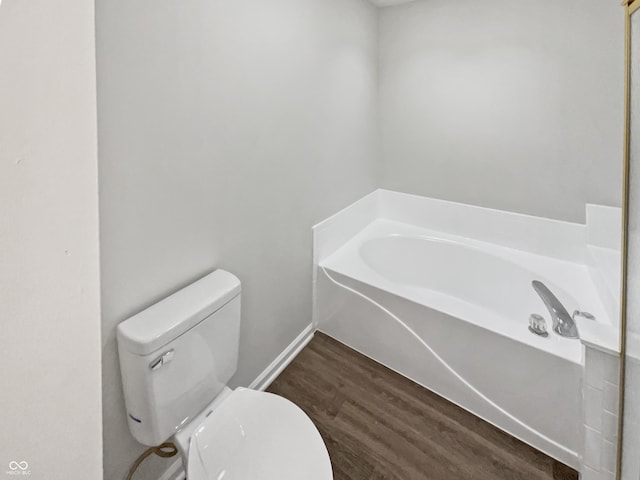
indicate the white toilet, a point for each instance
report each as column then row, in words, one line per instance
column 176, row 358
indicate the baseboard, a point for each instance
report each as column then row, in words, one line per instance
column 261, row 383
column 174, row 472
column 270, row 373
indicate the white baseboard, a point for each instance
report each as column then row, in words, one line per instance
column 174, row 472
column 261, row 383
column 265, row 379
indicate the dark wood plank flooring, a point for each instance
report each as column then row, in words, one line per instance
column 379, row 425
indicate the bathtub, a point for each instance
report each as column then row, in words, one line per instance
column 451, row 313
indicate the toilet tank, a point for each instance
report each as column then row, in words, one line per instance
column 178, row 354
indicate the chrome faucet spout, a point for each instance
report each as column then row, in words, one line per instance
column 563, row 324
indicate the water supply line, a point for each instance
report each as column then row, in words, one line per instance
column 166, row 450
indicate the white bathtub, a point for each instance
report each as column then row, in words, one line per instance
column 452, row 314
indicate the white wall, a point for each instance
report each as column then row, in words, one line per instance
column 226, row 130
column 505, row 104
column 49, row 293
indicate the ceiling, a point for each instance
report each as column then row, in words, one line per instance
column 388, row 3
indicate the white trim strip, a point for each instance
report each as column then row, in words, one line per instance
column 174, row 472
column 265, row 379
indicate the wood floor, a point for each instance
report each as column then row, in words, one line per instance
column 379, row 425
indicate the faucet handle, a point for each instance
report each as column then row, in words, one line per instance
column 538, row 325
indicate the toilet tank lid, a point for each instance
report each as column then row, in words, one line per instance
column 166, row 320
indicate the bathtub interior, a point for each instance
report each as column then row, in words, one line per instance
column 485, row 284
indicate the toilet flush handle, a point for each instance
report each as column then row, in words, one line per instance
column 163, row 359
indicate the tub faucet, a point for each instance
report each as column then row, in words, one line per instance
column 563, row 324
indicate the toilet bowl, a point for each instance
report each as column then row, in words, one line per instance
column 176, row 358
column 255, row 435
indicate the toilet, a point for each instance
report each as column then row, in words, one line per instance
column 176, row 358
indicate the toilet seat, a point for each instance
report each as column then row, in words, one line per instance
column 257, row 436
